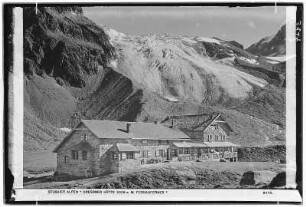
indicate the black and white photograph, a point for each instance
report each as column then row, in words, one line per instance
column 148, row 99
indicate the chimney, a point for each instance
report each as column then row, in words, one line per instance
column 128, row 126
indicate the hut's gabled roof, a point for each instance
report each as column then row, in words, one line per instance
column 137, row 130
column 194, row 125
column 128, row 130
column 191, row 122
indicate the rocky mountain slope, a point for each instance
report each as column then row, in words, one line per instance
column 76, row 69
column 61, row 49
column 274, row 45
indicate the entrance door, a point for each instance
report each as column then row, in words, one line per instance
column 168, row 154
column 199, row 152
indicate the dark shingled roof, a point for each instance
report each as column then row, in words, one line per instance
column 137, row 130
column 194, row 135
column 194, row 125
column 191, row 122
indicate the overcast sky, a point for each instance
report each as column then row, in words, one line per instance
column 245, row 25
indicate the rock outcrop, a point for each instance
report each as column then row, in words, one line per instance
column 279, row 180
column 256, row 178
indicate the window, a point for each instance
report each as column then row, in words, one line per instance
column 175, row 153
column 145, row 153
column 216, row 137
column 84, row 155
column 65, row 158
column 199, row 152
column 144, row 142
column 156, row 153
column 180, row 151
column 85, row 137
column 209, row 138
column 74, row 154
column 114, row 156
column 205, row 150
column 161, row 153
column 186, row 151
column 130, row 155
column 122, row 156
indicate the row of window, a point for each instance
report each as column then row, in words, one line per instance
column 156, row 153
column 123, row 155
column 144, row 154
column 162, row 153
column 184, row 151
column 201, row 151
column 75, row 155
column 217, row 137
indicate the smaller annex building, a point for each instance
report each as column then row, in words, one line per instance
column 209, row 137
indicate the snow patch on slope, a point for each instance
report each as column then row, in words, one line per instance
column 251, row 61
column 172, row 99
column 188, row 40
column 282, row 58
column 267, row 39
column 113, row 34
column 113, row 64
column 205, row 39
column 276, row 60
column 65, row 129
